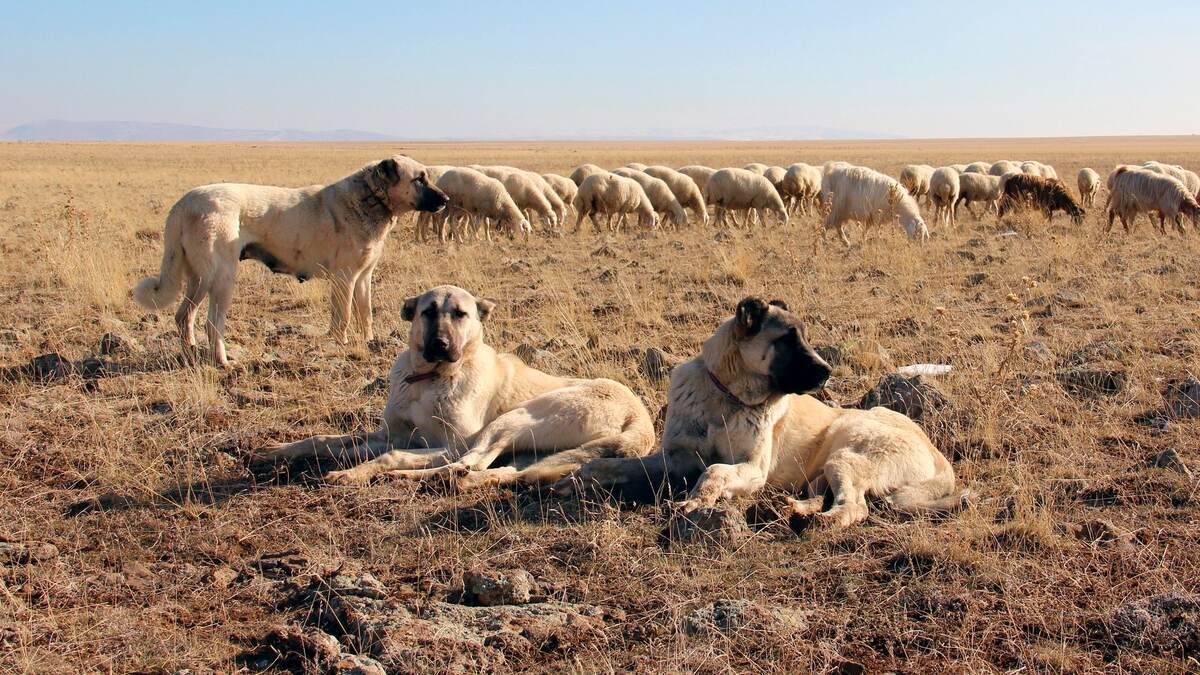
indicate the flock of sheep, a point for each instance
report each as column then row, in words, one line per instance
column 507, row 199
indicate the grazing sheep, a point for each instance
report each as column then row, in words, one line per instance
column 978, row 167
column 611, row 195
column 943, row 193
column 755, row 167
column 684, row 188
column 915, row 179
column 961, row 168
column 1089, row 186
column 775, row 174
column 738, row 189
column 802, row 184
column 869, row 197
column 833, row 165
column 531, row 193
column 979, row 187
column 1136, row 190
column 1045, row 194
column 636, row 166
column 1004, row 166
column 477, row 199
column 1034, row 168
column 582, row 171
column 564, row 187
column 1189, row 178
column 660, row 194
column 698, row 173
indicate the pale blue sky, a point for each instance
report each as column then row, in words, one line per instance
column 477, row 69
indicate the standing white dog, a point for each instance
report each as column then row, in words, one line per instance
column 335, row 231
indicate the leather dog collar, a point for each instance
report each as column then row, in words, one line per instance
column 421, row 377
column 725, row 390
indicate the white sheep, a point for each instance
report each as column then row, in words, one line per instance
column 1035, row 168
column 1189, row 178
column 661, row 197
column 864, row 195
column 943, row 193
column 564, row 187
column 740, row 189
column 698, row 173
column 684, row 189
column 611, row 195
column 477, row 199
column 530, row 191
column 756, row 167
column 979, row 187
column 1137, row 190
column 802, row 184
column 915, row 179
column 978, row 167
column 582, row 171
column 1089, row 186
column 1004, row 166
column 961, row 168
column 636, row 166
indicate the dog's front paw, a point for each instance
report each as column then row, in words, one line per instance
column 345, row 477
column 264, row 455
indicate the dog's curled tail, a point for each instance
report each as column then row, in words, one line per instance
column 156, row 293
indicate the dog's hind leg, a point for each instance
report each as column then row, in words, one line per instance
column 848, row 474
column 185, row 317
column 341, row 296
column 221, row 296
column 411, row 464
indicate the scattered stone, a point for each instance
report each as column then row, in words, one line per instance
column 112, row 344
column 605, row 251
column 607, row 276
column 364, row 585
column 353, row 664
column 301, row 648
column 977, row 278
column 1167, row 459
column 713, row 527
column 723, row 235
column 49, row 367
column 1070, row 299
column 534, row 356
column 726, row 617
column 222, row 576
column 831, row 354
column 1103, row 350
column 9, row 336
column 657, row 364
column 1102, row 532
column 1183, row 399
column 378, row 385
column 911, row 396
column 489, row 588
column 25, row 553
column 1093, row 383
column 1166, row 623
column 1039, row 352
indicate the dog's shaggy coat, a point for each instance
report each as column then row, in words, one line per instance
column 455, row 406
column 335, row 231
column 737, row 417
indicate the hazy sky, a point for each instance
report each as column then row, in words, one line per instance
column 439, row 68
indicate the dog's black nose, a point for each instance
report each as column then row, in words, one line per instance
column 441, row 342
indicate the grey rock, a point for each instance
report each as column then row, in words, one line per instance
column 1093, row 383
column 911, row 396
column 489, row 588
column 712, row 527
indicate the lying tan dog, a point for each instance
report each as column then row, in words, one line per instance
column 737, row 416
column 455, row 406
column 335, row 231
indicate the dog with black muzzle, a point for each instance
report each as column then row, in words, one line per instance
column 455, row 406
column 739, row 418
column 334, row 231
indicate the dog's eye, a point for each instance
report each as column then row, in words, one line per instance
column 429, row 312
column 459, row 314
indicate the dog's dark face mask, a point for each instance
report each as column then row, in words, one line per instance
column 429, row 198
column 772, row 342
column 447, row 322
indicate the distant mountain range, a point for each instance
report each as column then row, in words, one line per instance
column 62, row 130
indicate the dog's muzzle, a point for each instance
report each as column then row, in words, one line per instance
column 432, row 200
column 438, row 350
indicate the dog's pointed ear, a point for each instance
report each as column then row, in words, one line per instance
column 749, row 317
column 780, row 304
column 409, row 310
column 484, row 307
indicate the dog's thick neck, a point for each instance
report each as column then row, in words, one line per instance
column 723, row 359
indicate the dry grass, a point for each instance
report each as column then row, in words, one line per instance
column 1003, row 586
